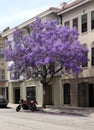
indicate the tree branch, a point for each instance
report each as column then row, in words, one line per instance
column 54, row 74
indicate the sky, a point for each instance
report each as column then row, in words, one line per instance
column 15, row 12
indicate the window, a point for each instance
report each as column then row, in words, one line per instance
column 92, row 56
column 11, row 75
column 84, row 23
column 86, row 64
column 75, row 23
column 92, row 20
column 60, row 19
column 66, row 93
column 1, row 53
column 14, row 75
column 67, row 23
column 2, row 74
column 31, row 92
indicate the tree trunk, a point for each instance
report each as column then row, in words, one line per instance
column 44, row 83
column 43, row 104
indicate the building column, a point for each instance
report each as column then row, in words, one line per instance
column 23, row 90
column 39, row 92
column 11, row 93
column 57, row 86
column 74, row 94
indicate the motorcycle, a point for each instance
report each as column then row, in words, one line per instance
column 27, row 105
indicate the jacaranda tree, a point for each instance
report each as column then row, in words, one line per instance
column 45, row 50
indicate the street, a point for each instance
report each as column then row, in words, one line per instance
column 27, row 120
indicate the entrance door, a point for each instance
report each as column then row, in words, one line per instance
column 91, row 95
column 66, row 93
column 17, row 95
column 48, row 95
column 83, row 94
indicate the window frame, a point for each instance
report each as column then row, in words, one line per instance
column 92, row 56
column 31, row 92
column 67, row 23
column 2, row 74
column 84, row 23
column 73, row 23
column 92, row 20
column 86, row 64
column 1, row 52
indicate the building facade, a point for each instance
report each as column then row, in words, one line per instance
column 80, row 91
column 3, row 71
column 32, row 87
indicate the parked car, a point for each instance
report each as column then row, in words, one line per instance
column 3, row 101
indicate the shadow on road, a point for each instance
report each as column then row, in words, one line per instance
column 5, row 107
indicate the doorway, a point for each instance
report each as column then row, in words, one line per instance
column 91, row 95
column 17, row 95
column 83, row 94
column 67, row 93
column 48, row 95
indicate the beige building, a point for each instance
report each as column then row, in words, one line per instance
column 66, row 90
column 3, row 71
column 19, row 89
column 80, row 91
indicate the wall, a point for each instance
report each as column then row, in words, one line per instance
column 87, row 37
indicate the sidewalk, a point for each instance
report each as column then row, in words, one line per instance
column 70, row 111
column 12, row 105
column 76, row 111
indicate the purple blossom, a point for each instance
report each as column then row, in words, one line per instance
column 47, row 44
column 45, row 50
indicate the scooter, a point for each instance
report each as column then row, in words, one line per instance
column 27, row 105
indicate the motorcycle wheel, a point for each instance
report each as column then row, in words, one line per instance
column 18, row 108
column 33, row 108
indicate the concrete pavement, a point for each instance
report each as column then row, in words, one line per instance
column 27, row 120
column 76, row 111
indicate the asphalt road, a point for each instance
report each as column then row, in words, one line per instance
column 27, row 120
